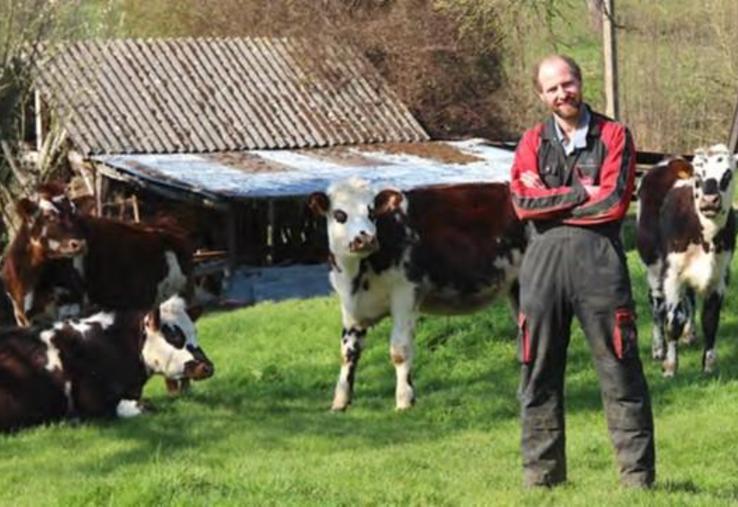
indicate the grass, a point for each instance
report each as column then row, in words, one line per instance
column 259, row 432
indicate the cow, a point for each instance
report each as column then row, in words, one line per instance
column 120, row 266
column 686, row 237
column 440, row 249
column 48, row 233
column 94, row 367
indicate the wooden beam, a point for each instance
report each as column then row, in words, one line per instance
column 610, row 55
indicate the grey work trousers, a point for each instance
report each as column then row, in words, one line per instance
column 577, row 271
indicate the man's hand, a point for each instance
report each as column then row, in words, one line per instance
column 531, row 179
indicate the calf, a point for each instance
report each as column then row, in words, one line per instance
column 94, row 367
column 686, row 237
column 445, row 249
column 48, row 232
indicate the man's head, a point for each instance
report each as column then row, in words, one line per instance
column 558, row 81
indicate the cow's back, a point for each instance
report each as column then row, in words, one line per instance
column 126, row 262
column 465, row 243
column 654, row 187
column 29, row 394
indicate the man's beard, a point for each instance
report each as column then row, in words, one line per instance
column 568, row 110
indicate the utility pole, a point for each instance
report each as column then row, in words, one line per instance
column 609, row 46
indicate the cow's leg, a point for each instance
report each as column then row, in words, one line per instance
column 689, row 335
column 658, row 309
column 677, row 315
column 20, row 303
column 710, row 318
column 352, row 341
column 404, row 316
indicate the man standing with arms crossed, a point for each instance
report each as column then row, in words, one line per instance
column 573, row 178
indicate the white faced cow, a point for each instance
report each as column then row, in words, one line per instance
column 94, row 367
column 444, row 249
column 686, row 238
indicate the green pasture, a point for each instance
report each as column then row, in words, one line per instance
column 260, row 432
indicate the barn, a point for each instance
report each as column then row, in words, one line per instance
column 230, row 134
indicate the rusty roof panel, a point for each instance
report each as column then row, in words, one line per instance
column 276, row 173
column 210, row 95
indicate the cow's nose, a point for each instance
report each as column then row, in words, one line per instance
column 711, row 199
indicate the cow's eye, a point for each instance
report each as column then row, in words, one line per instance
column 725, row 180
column 174, row 335
column 340, row 216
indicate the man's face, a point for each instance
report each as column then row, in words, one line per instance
column 561, row 91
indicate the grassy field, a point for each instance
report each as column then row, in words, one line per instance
column 259, row 432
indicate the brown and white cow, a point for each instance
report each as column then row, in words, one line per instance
column 686, row 237
column 94, row 367
column 444, row 249
column 48, row 233
column 121, row 266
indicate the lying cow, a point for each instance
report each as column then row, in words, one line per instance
column 94, row 367
column 445, row 249
column 686, row 237
column 48, row 233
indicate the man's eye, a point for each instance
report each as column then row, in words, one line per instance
column 340, row 216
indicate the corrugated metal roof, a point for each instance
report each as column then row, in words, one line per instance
column 205, row 95
column 281, row 173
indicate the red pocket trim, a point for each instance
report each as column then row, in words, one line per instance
column 622, row 315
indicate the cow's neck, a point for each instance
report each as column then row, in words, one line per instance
column 345, row 266
column 711, row 226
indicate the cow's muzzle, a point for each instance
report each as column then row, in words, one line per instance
column 364, row 243
column 710, row 204
column 69, row 248
column 198, row 369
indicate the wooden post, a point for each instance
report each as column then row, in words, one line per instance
column 231, row 242
column 733, row 136
column 610, row 55
column 271, row 215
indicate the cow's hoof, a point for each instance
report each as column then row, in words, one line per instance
column 658, row 354
column 668, row 369
column 688, row 339
column 405, row 402
column 709, row 363
column 341, row 401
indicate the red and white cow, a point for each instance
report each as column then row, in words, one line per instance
column 120, row 266
column 49, row 232
column 686, row 237
column 94, row 367
column 444, row 249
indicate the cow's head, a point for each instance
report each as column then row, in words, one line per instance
column 170, row 347
column 713, row 180
column 351, row 209
column 51, row 222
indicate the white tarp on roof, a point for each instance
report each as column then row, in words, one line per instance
column 303, row 172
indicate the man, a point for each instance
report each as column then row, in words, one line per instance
column 573, row 178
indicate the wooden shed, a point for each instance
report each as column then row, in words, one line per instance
column 237, row 131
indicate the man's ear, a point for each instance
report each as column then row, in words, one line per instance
column 319, row 203
column 27, row 209
column 387, row 201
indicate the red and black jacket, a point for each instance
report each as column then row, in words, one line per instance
column 591, row 186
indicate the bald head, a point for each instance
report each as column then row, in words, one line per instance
column 554, row 63
column 558, row 81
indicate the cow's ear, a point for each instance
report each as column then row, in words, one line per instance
column 26, row 208
column 387, row 201
column 153, row 320
column 319, row 204
column 194, row 312
column 682, row 168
